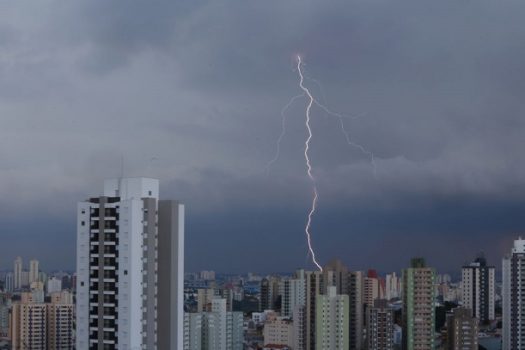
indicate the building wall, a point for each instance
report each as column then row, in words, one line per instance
column 371, row 291
column 83, row 270
column 356, row 313
column 192, row 331
column 332, row 324
column 221, row 329
column 292, row 291
column 204, row 299
column 418, row 307
column 130, row 264
column 18, row 273
column 130, row 256
column 462, row 330
column 29, row 326
column 299, row 326
column 478, row 290
column 60, row 326
column 379, row 327
column 392, row 287
column 513, row 300
column 171, row 275
column 33, row 271
column 314, row 288
column 279, row 332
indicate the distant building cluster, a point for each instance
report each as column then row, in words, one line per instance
column 130, row 291
column 37, row 310
column 338, row 308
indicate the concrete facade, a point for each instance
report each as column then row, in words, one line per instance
column 130, row 263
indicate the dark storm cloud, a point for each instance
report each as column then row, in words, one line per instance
column 199, row 86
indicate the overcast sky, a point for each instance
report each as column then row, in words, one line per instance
column 191, row 92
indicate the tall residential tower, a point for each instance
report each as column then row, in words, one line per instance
column 130, row 268
column 33, row 271
column 17, row 273
column 418, row 306
column 478, row 289
column 513, row 297
column 332, row 320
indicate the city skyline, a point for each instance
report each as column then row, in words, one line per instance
column 455, row 273
column 262, row 175
column 195, row 101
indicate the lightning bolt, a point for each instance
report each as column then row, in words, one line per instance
column 283, row 132
column 311, row 102
column 313, row 207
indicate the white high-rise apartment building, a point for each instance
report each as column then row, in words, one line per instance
column 218, row 329
column 25, row 279
column 130, row 268
column 299, row 327
column 224, row 330
column 207, row 275
column 54, row 285
column 350, row 283
column 33, row 271
column 18, row 273
column 9, row 282
column 514, row 298
column 192, row 331
column 479, row 289
column 332, row 321
column 392, row 286
column 292, row 292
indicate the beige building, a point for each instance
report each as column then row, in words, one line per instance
column 418, row 306
column 33, row 271
column 371, row 291
column 40, row 326
column 204, row 299
column 60, row 316
column 29, row 326
column 279, row 331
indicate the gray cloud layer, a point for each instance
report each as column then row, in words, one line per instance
column 200, row 84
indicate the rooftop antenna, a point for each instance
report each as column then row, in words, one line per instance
column 121, row 175
column 121, row 166
column 151, row 160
